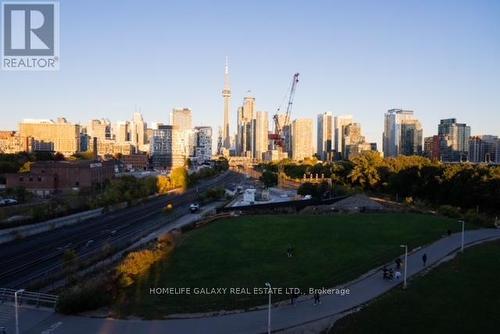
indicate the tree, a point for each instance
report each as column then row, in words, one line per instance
column 221, row 164
column 179, row 178
column 365, row 171
column 59, row 156
column 26, row 167
column 269, row 178
column 307, row 188
column 163, row 183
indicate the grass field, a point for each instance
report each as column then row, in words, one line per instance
column 461, row 296
column 249, row 251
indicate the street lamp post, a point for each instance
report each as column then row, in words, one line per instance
column 463, row 235
column 406, row 264
column 15, row 307
column 268, row 285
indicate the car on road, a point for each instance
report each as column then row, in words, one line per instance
column 7, row 201
column 194, row 207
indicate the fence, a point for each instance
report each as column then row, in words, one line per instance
column 28, row 298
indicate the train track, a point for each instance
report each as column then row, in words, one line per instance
column 41, row 255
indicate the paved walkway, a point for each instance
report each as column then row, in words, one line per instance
column 288, row 317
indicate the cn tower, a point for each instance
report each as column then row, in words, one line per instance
column 226, row 94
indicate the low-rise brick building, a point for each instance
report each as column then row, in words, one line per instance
column 137, row 162
column 47, row 177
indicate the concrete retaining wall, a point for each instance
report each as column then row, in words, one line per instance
column 20, row 232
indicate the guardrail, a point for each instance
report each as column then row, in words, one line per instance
column 28, row 298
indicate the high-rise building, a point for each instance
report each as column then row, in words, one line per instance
column 203, row 144
column 454, row 140
column 226, row 94
column 245, row 131
column 260, row 135
column 47, row 135
column 324, row 142
column 138, row 132
column 100, row 129
column 339, row 123
column 353, row 142
column 402, row 133
column 497, row 152
column 431, row 147
column 302, row 146
column 182, row 120
column 122, row 132
column 483, row 148
column 165, row 148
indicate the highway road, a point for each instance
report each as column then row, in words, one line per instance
column 39, row 256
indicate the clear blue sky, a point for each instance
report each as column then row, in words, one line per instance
column 438, row 58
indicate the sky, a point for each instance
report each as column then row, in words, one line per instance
column 438, row 58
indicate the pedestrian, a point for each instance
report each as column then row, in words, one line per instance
column 449, row 232
column 385, row 272
column 397, row 275
column 293, row 296
column 398, row 263
column 316, row 298
column 424, row 259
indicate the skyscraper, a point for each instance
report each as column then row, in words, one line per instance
column 165, row 149
column 245, row 131
column 203, row 144
column 483, row 148
column 431, row 147
column 353, row 142
column 339, row 123
column 302, row 139
column 402, row 133
column 138, row 131
column 226, row 94
column 181, row 120
column 454, row 140
column 100, row 129
column 260, row 126
column 324, row 134
column 121, row 132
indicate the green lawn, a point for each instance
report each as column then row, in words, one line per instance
column 249, row 251
column 461, row 296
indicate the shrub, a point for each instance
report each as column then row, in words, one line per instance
column 139, row 262
column 471, row 216
column 88, row 295
column 449, row 211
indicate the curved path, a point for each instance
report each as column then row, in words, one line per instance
column 285, row 317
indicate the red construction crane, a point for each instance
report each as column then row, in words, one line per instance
column 278, row 136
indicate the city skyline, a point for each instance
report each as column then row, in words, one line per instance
column 446, row 70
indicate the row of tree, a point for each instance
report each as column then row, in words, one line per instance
column 463, row 185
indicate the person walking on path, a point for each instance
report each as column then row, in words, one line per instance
column 398, row 263
column 293, row 296
column 316, row 298
column 424, row 259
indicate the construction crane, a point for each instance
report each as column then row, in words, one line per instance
column 278, row 137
